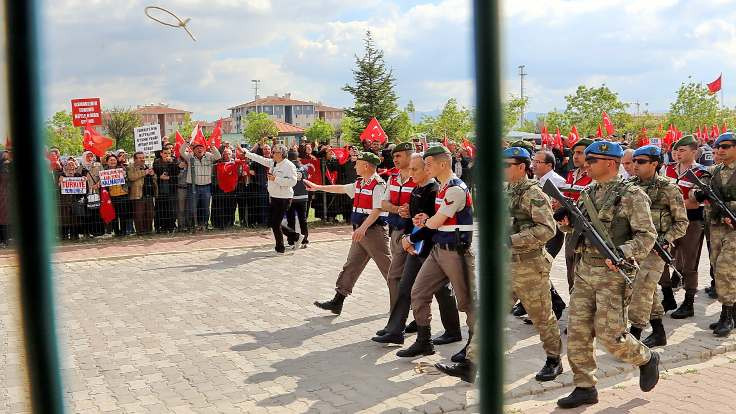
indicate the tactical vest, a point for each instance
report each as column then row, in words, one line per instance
column 725, row 191
column 520, row 218
column 363, row 203
column 399, row 194
column 461, row 221
column 660, row 208
column 618, row 228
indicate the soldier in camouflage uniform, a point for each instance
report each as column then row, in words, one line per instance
column 722, row 232
column 531, row 227
column 620, row 212
column 670, row 220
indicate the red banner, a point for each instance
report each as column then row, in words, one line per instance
column 86, row 111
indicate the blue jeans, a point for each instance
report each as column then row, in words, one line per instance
column 202, row 195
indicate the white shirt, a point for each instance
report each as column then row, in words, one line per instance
column 284, row 171
column 454, row 200
column 378, row 191
column 557, row 179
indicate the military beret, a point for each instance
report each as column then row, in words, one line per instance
column 726, row 136
column 686, row 140
column 404, row 146
column 436, row 150
column 369, row 157
column 584, row 142
column 606, row 148
column 648, row 150
column 523, row 144
column 516, row 152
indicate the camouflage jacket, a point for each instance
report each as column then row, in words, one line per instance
column 667, row 207
column 530, row 214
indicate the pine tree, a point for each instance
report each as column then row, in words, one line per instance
column 374, row 89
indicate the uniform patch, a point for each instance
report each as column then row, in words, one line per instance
column 448, row 202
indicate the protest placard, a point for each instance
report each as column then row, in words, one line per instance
column 148, row 138
column 655, row 141
column 115, row 176
column 86, row 111
column 73, row 185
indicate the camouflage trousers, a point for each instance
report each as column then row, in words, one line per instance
column 597, row 310
column 645, row 305
column 530, row 283
column 723, row 257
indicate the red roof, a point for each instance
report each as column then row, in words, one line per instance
column 159, row 109
column 287, row 129
column 274, row 100
column 323, row 108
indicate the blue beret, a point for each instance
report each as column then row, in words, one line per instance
column 726, row 136
column 649, row 150
column 516, row 152
column 607, row 148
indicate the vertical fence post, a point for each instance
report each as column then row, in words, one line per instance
column 490, row 203
column 34, row 222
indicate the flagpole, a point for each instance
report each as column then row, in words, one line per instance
column 722, row 91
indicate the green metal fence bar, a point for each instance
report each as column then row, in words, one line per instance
column 490, row 203
column 32, row 201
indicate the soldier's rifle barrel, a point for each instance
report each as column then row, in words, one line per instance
column 690, row 175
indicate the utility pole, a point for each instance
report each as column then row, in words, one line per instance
column 637, row 103
column 256, row 82
column 521, row 76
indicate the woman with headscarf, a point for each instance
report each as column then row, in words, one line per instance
column 72, row 209
column 119, row 198
column 93, row 225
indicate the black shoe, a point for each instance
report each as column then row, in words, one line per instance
column 411, row 327
column 280, row 249
column 579, row 396
column 528, row 321
column 551, row 369
column 635, row 332
column 464, row 370
column 422, row 346
column 686, row 309
column 389, row 338
column 725, row 323
column 712, row 292
column 676, row 282
column 460, row 356
column 447, row 338
column 334, row 305
column 649, row 373
column 668, row 303
column 518, row 310
column 381, row 332
column 658, row 336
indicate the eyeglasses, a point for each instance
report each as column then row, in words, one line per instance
column 641, row 161
column 540, row 162
column 725, row 146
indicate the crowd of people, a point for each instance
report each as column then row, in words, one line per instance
column 629, row 219
column 192, row 188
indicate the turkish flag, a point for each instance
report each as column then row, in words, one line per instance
column 216, row 137
column 107, row 210
column 558, row 139
column 573, row 137
column 599, row 133
column 643, row 138
column 714, row 131
column 331, row 175
column 468, row 146
column 724, row 128
column 374, row 132
column 342, row 155
column 198, row 137
column 608, row 124
column 668, row 140
column 94, row 142
column 546, row 139
column 715, row 86
column 177, row 145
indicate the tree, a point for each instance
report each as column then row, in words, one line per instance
column 584, row 108
column 120, row 124
column 553, row 120
column 693, row 107
column 62, row 134
column 512, row 108
column 402, row 127
column 374, row 89
column 259, row 126
column 320, row 131
column 411, row 110
column 454, row 122
column 187, row 126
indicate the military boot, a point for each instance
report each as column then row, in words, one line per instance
column 579, row 396
column 635, row 332
column 518, row 310
column 464, row 370
column 658, row 336
column 411, row 327
column 334, row 305
column 668, row 303
column 448, row 338
column 551, row 369
column 725, row 323
column 422, row 346
column 460, row 356
column 686, row 309
column 389, row 338
column 649, row 373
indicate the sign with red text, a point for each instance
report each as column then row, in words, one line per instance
column 73, row 185
column 86, row 111
column 112, row 177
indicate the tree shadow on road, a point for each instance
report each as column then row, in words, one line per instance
column 224, row 261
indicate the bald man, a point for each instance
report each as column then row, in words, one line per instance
column 627, row 163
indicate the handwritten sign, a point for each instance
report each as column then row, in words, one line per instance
column 148, row 138
column 73, row 185
column 112, row 177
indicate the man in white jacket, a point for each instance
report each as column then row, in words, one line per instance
column 281, row 180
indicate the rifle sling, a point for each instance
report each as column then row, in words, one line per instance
column 596, row 221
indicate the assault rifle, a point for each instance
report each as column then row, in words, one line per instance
column 667, row 258
column 711, row 195
column 582, row 225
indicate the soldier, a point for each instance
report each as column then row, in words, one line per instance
column 688, row 247
column 532, row 226
column 620, row 211
column 450, row 259
column 577, row 180
column 670, row 220
column 722, row 232
column 395, row 202
column 370, row 240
